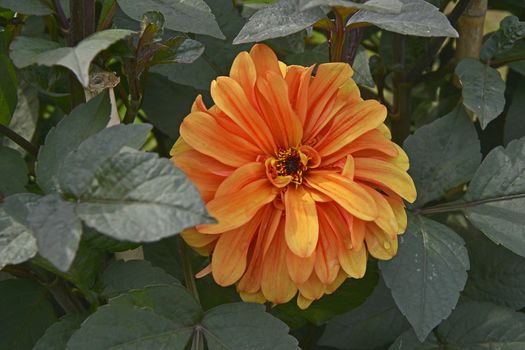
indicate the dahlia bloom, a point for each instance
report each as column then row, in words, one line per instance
column 299, row 172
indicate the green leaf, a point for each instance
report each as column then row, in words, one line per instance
column 515, row 118
column 57, row 230
column 417, row 17
column 500, row 279
column 8, row 85
column 122, row 276
column 443, row 154
column 380, row 6
column 168, row 316
column 511, row 30
column 245, row 326
column 427, row 274
column 361, row 67
column 483, row 89
column 24, row 118
column 17, row 243
column 351, row 294
column 13, row 172
column 27, row 7
column 97, row 240
column 276, row 20
column 372, row 325
column 178, row 50
column 473, row 326
column 58, row 334
column 84, row 121
column 26, row 51
column 496, row 196
column 183, row 16
column 138, row 197
column 26, row 313
column 79, row 167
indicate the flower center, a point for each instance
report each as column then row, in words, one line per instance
column 289, row 163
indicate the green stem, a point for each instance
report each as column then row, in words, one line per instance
column 451, row 207
column 188, row 271
column 337, row 39
column 506, row 60
column 197, row 342
column 19, row 140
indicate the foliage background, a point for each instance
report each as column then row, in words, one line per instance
column 456, row 105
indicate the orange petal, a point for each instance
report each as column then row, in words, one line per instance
column 326, row 259
column 379, row 243
column 353, row 262
column 386, row 174
column 303, row 303
column 179, row 147
column 204, row 272
column 349, row 195
column 243, row 71
column 265, row 60
column 386, row 220
column 202, row 132
column 257, row 297
column 299, row 268
column 229, row 96
column 198, row 105
column 302, row 227
column 276, row 284
column 241, row 177
column 358, row 230
column 312, row 288
column 373, row 140
column 235, row 210
column 398, row 206
column 349, row 168
column 229, row 256
column 273, row 98
column 341, row 278
column 196, row 239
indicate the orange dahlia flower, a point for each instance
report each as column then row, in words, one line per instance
column 299, row 172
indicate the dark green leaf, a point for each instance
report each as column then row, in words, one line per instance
column 123, row 276
column 499, row 279
column 80, row 166
column 13, row 172
column 361, row 67
column 183, row 16
column 443, row 155
column 427, row 274
column 26, row 313
column 178, row 50
column 276, row 20
column 57, row 230
column 8, row 85
column 417, row 17
column 27, row 7
column 380, row 6
column 498, row 193
column 515, row 119
column 511, row 30
column 26, row 51
column 84, row 121
column 136, row 196
column 372, row 325
column 483, row 89
column 58, row 334
column 474, row 326
column 245, row 326
column 351, row 294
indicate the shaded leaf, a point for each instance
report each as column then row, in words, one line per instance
column 26, row 51
column 374, row 324
column 13, row 172
column 58, row 334
column 427, row 274
column 443, row 155
column 515, row 118
column 184, row 16
column 276, row 20
column 26, row 313
column 381, row 6
column 136, row 196
column 483, row 89
column 8, row 85
column 417, row 17
column 27, row 7
column 57, row 230
column 498, row 193
column 511, row 30
column 361, row 67
column 83, row 121
column 122, row 276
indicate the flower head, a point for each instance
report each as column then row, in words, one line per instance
column 299, row 172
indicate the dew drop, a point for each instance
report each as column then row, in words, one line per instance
column 386, row 245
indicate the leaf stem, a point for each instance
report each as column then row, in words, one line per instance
column 188, row 271
column 449, row 207
column 62, row 19
column 19, row 140
column 337, row 38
